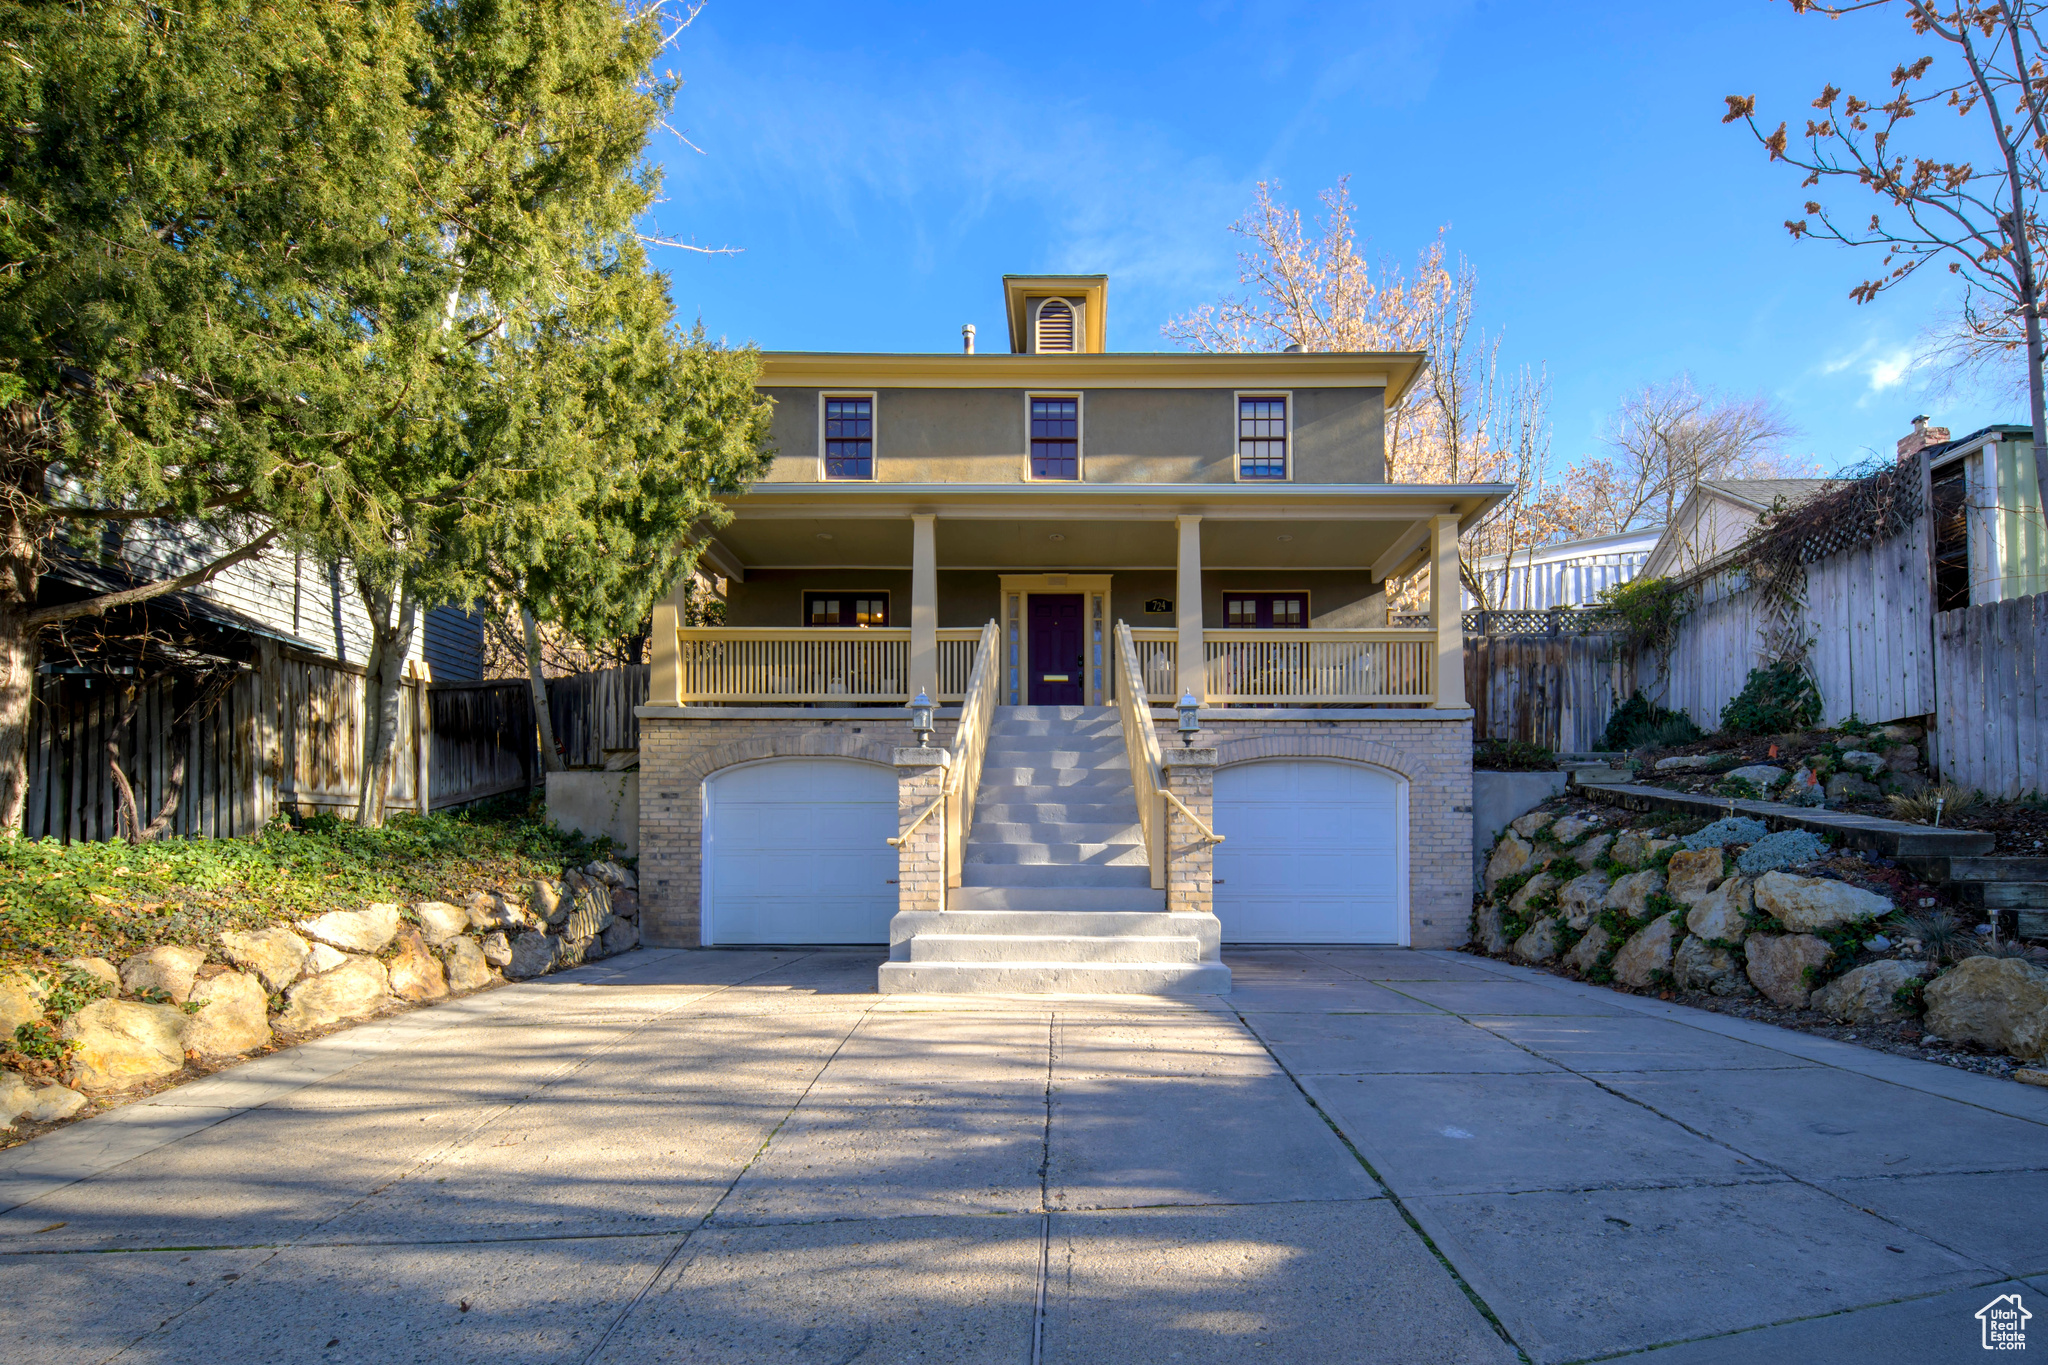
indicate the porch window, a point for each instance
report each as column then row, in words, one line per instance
column 1055, row 438
column 849, row 438
column 1265, row 610
column 846, row 609
column 1262, row 437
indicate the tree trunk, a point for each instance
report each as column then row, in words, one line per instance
column 2038, row 398
column 550, row 752
column 19, row 654
column 391, row 627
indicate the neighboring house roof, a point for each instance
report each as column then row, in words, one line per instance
column 1997, row 431
column 1703, row 528
column 1621, row 542
column 1569, row 573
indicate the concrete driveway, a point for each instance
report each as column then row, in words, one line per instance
column 748, row 1156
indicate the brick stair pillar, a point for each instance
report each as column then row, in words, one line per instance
column 921, row 857
column 1190, row 774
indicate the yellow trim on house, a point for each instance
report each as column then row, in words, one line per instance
column 1092, row 290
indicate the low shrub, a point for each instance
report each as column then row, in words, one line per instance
column 1944, row 800
column 1640, row 723
column 1513, row 756
column 1774, row 700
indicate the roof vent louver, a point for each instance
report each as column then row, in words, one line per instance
column 1055, row 326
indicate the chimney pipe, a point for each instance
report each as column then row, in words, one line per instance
column 967, row 339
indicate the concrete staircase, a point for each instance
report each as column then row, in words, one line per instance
column 1056, row 893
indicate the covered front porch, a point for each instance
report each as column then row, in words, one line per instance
column 1267, row 597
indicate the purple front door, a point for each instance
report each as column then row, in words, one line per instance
column 1057, row 663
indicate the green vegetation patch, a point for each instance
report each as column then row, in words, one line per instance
column 114, row 899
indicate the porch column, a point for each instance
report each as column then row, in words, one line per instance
column 924, row 606
column 1446, row 612
column 1187, row 602
column 665, row 678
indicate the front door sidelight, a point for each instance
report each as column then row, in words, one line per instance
column 1058, row 657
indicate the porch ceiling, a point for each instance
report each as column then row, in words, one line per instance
column 1074, row 527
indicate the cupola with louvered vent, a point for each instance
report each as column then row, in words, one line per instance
column 1056, row 314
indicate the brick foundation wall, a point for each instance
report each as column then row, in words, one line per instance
column 1435, row 756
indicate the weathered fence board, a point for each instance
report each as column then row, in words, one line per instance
column 1991, row 723
column 1558, row 692
column 593, row 713
column 481, row 741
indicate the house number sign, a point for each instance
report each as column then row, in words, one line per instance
column 1156, row 605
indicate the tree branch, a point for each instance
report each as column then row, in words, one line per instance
column 106, row 602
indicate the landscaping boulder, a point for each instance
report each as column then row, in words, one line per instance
column 1572, row 827
column 48, row 1103
column 1723, row 913
column 532, row 954
column 1686, row 763
column 235, row 1017
column 21, row 1000
column 591, row 912
column 497, row 949
column 1804, row 904
column 626, row 904
column 1589, row 853
column 356, row 989
column 1739, row 829
column 1999, row 1002
column 1648, row 952
column 1762, row 775
column 1693, row 873
column 546, row 898
column 1631, row 894
column 573, row 952
column 1868, row 994
column 1487, row 931
column 1778, row 963
column 1583, row 898
column 1698, row 965
column 168, row 968
column 98, row 968
column 1631, row 847
column 466, row 967
column 440, row 921
column 415, row 973
column 1540, row 943
column 1864, row 761
column 14, row 1099
column 489, row 910
column 354, row 931
column 1850, row 787
column 1537, row 885
column 1803, row 789
column 120, row 1044
column 611, row 874
column 623, row 934
column 1904, row 784
column 277, row 955
column 1527, row 825
column 1901, row 758
column 1585, row 954
column 1786, row 848
column 1902, row 734
column 321, row 958
column 1511, row 858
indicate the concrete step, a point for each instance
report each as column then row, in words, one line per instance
column 1033, row 775
column 1069, row 714
column 1067, row 978
column 1099, row 794
column 1055, row 875
column 1124, row 831
column 1054, row 855
column 958, row 919
column 1157, row 950
column 1054, row 758
column 1091, row 902
column 1055, row 812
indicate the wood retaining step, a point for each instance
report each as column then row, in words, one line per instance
column 1889, row 838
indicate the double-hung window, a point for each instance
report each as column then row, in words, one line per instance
column 1262, row 436
column 849, row 438
column 846, row 609
column 1055, row 438
column 1265, row 610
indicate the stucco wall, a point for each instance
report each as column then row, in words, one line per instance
column 1435, row 756
column 1127, row 435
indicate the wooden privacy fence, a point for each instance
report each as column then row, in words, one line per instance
column 285, row 735
column 1555, row 690
column 593, row 713
column 1991, row 721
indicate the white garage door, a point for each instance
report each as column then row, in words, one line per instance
column 1313, row 852
column 796, row 851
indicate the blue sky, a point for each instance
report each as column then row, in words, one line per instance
column 879, row 168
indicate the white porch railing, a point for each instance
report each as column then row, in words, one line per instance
column 1319, row 667
column 779, row 664
column 1141, row 747
column 970, row 742
column 1156, row 660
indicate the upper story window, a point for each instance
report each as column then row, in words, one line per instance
column 1262, row 437
column 1055, row 325
column 849, row 438
column 1055, row 438
column 846, row 608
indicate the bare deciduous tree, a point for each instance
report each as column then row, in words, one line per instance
column 1980, row 220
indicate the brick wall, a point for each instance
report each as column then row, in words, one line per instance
column 1435, row 756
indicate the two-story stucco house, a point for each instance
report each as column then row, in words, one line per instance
column 1057, row 545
